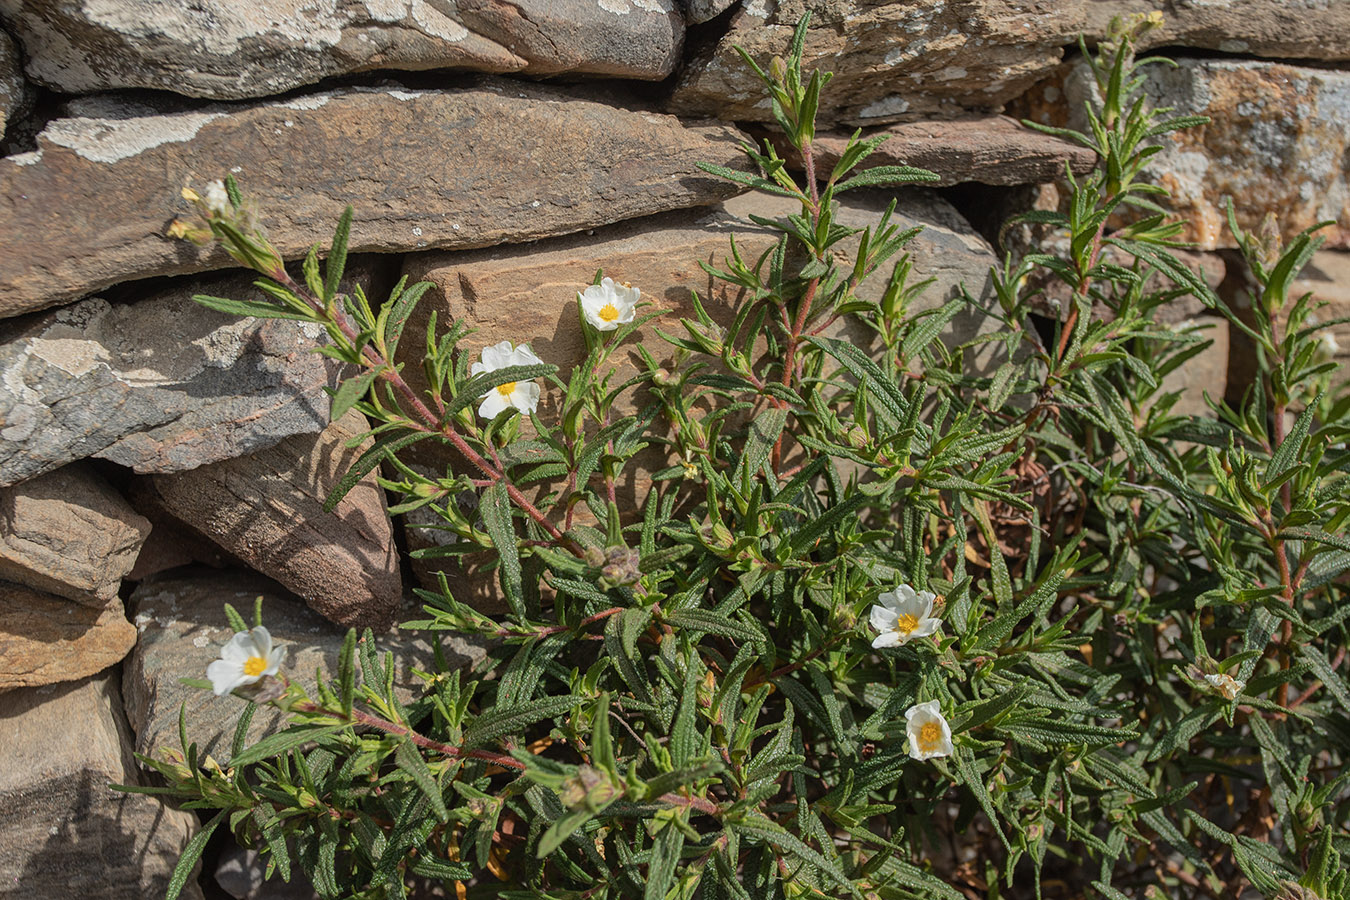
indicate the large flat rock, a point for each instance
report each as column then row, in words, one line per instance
column 69, row 533
column 159, row 385
column 500, row 162
column 46, row 639
column 66, row 832
column 229, row 50
column 891, row 61
column 182, row 628
column 266, row 509
column 983, row 149
column 1277, row 143
column 1280, row 29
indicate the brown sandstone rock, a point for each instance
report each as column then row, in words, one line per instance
column 267, row 509
column 183, row 626
column 1327, row 278
column 891, row 61
column 66, row 832
column 1277, row 143
column 229, row 50
column 159, row 385
column 499, row 162
column 1283, row 29
column 46, row 639
column 987, row 149
column 70, row 534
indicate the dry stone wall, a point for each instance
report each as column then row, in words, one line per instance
column 158, row 459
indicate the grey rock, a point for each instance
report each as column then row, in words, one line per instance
column 228, row 50
column 67, row 833
column 159, row 385
column 696, row 11
column 69, row 533
column 1277, row 143
column 15, row 92
column 1280, row 29
column 182, row 628
column 266, row 509
column 501, row 162
column 922, row 59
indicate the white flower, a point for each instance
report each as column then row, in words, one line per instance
column 217, row 199
column 929, row 733
column 904, row 614
column 608, row 305
column 247, row 657
column 1226, row 685
column 524, row 396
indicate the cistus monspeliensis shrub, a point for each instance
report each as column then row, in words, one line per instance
column 884, row 625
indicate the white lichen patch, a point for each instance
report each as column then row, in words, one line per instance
column 26, row 159
column 110, row 140
column 893, row 105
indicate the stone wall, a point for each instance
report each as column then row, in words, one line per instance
column 158, row 459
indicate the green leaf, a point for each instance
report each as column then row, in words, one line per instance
column 191, row 854
column 495, row 506
column 384, row 447
column 254, row 308
column 492, row 725
column 883, row 176
column 337, row 256
column 276, row 744
column 712, row 623
column 1287, row 456
column 409, row 759
column 775, row 835
column 891, row 404
column 349, row 392
column 1329, row 676
column 665, row 859
column 561, row 830
column 347, row 671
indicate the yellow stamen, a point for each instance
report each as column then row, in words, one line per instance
column 608, row 312
column 905, row 623
column 254, row 666
column 929, row 736
column 506, row 389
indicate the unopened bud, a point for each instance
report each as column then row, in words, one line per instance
column 778, row 68
column 661, row 377
column 621, row 566
column 857, row 437
column 595, row 557
column 588, row 789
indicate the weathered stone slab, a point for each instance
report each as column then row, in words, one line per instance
column 159, row 385
column 266, row 508
column 1280, row 29
column 1277, row 143
column 891, row 61
column 46, row 639
column 182, row 628
column 66, row 832
column 69, row 533
column 984, row 149
column 528, row 294
column 696, row 11
column 228, row 50
column 15, row 93
column 501, row 162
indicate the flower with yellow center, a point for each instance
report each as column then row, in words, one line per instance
column 902, row 615
column 247, row 657
column 608, row 305
column 929, row 734
column 523, row 396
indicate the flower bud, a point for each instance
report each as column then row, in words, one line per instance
column 595, row 557
column 621, row 566
column 857, row 437
column 661, row 378
column 588, row 789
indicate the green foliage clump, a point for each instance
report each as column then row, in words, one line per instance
column 1139, row 616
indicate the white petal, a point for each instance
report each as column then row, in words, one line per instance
column 883, row 619
column 524, row 356
column 498, row 356
column 274, row 661
column 927, row 710
column 925, row 628
column 889, row 599
column 262, row 642
column 525, row 397
column 887, row 639
column 628, row 297
column 238, row 649
column 493, row 403
column 224, row 676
